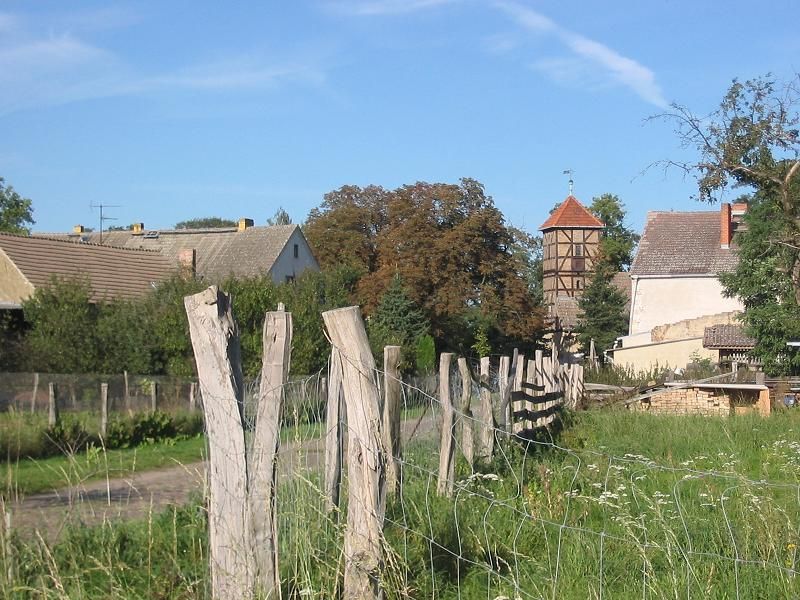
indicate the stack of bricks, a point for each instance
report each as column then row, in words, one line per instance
column 689, row 401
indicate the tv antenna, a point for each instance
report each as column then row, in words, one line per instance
column 104, row 218
column 571, row 182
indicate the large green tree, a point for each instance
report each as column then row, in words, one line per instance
column 753, row 141
column 450, row 245
column 16, row 212
column 602, row 307
column 764, row 286
column 619, row 241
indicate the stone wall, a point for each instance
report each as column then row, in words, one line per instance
column 688, row 401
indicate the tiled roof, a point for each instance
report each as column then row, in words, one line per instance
column 571, row 213
column 113, row 272
column 682, row 243
column 220, row 252
column 728, row 337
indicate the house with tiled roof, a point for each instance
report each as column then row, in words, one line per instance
column 213, row 254
column 675, row 290
column 27, row 263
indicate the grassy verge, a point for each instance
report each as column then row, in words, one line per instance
column 29, row 476
column 622, row 505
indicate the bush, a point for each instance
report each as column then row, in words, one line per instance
column 66, row 437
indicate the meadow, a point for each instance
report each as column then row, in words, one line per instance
column 616, row 505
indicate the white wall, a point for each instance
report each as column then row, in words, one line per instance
column 287, row 265
column 662, row 300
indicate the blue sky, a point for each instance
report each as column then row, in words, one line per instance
column 174, row 110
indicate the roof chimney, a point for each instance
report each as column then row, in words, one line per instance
column 244, row 223
column 187, row 260
column 725, row 226
column 78, row 229
column 137, row 228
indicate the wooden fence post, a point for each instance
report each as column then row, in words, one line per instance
column 444, row 484
column 467, row 424
column 503, row 382
column 215, row 341
column 277, row 343
column 193, row 396
column 365, row 456
column 52, row 412
column 103, row 409
column 505, row 400
column 391, row 416
column 153, row 396
column 486, row 417
column 334, row 438
column 126, row 392
column 35, row 392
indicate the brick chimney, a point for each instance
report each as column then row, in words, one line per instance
column 187, row 259
column 725, row 230
column 137, row 228
column 78, row 229
column 244, row 223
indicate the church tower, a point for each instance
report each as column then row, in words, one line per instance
column 570, row 244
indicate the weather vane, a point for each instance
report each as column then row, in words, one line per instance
column 571, row 183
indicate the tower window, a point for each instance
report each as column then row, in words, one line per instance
column 577, row 250
column 296, row 251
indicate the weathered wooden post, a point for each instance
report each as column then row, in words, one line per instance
column 334, row 436
column 52, row 411
column 505, row 400
column 35, row 392
column 277, row 343
column 215, row 340
column 467, row 438
column 153, row 396
column 391, row 416
column 127, row 392
column 193, row 396
column 444, row 484
column 103, row 409
column 365, row 456
column 502, row 383
column 486, row 416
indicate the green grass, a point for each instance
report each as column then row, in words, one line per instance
column 29, row 476
column 624, row 505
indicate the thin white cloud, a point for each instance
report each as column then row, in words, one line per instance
column 587, row 54
column 372, row 8
column 37, row 70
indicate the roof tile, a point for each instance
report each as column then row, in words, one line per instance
column 571, row 213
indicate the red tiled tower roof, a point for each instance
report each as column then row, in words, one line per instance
column 571, row 213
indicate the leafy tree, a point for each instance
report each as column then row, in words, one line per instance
column 124, row 339
column 449, row 244
column 206, row 223
column 603, row 309
column 397, row 322
column 764, row 286
column 751, row 140
column 16, row 212
column 618, row 241
column 281, row 217
column 61, row 336
column 345, row 229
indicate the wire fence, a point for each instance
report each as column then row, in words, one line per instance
column 544, row 519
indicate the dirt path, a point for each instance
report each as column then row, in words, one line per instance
column 136, row 496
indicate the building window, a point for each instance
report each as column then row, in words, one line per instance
column 578, row 284
column 290, row 279
column 296, row 251
column 577, row 250
column 578, row 264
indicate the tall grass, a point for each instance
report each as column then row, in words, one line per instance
column 621, row 505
